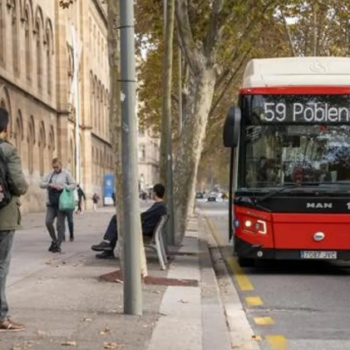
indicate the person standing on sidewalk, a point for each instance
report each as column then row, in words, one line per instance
column 81, row 196
column 95, row 200
column 10, row 218
column 54, row 182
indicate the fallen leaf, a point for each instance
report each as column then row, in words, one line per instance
column 110, row 345
column 41, row 333
column 69, row 343
column 256, row 338
column 106, row 331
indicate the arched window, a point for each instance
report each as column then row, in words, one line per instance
column 15, row 43
column 31, row 141
column 93, row 165
column 19, row 133
column 48, row 62
column 27, row 44
column 42, row 145
column 2, row 34
column 72, row 157
column 51, row 144
column 38, row 55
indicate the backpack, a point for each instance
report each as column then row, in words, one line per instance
column 5, row 194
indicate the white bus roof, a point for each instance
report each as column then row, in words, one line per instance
column 297, row 71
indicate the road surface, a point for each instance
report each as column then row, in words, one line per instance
column 291, row 305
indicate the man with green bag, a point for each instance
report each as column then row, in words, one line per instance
column 60, row 198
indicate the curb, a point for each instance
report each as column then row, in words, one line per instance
column 215, row 332
column 241, row 333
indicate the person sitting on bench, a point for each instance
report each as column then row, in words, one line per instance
column 149, row 221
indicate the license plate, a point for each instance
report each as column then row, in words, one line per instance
column 318, row 255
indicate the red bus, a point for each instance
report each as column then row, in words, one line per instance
column 290, row 160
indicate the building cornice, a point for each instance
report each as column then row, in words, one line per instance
column 101, row 139
column 101, row 11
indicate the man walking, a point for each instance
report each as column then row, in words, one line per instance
column 81, row 196
column 13, row 185
column 55, row 181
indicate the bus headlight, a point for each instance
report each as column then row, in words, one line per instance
column 248, row 223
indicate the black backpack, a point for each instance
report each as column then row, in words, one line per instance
column 5, row 195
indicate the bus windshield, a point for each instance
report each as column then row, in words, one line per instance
column 294, row 139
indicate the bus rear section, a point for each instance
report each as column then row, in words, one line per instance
column 290, row 160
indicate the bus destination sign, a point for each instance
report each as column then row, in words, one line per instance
column 305, row 109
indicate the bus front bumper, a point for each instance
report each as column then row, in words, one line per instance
column 244, row 249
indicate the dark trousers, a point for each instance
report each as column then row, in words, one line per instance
column 6, row 243
column 70, row 218
column 111, row 233
column 51, row 214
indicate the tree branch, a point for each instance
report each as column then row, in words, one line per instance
column 214, row 31
column 229, row 82
column 185, row 32
column 289, row 34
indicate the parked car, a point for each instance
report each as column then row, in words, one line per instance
column 212, row 197
column 199, row 195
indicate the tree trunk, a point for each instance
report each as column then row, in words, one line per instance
column 115, row 125
column 167, row 84
column 199, row 100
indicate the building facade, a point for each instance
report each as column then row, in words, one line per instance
column 36, row 74
column 148, row 159
column 36, row 70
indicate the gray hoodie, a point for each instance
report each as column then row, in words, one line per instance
column 63, row 178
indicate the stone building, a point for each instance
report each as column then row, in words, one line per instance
column 148, row 159
column 36, row 69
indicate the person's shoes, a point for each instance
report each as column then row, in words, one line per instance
column 56, row 249
column 102, row 247
column 71, row 238
column 105, row 255
column 9, row 326
column 52, row 246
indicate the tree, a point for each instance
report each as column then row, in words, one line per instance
column 115, row 117
column 201, row 46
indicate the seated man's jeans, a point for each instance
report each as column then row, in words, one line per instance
column 111, row 233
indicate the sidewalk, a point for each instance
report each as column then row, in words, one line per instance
column 63, row 304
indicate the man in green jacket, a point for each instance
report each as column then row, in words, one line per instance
column 10, row 217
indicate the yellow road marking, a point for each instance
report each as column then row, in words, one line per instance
column 254, row 301
column 264, row 321
column 242, row 280
column 277, row 342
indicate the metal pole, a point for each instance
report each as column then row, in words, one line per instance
column 131, row 223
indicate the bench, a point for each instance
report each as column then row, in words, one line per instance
column 156, row 241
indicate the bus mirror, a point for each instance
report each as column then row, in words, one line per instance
column 232, row 127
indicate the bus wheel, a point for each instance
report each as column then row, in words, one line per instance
column 246, row 262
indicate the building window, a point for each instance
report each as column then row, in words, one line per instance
column 42, row 146
column 31, row 148
column 48, row 62
column 142, row 152
column 38, row 55
column 15, row 38
column 27, row 45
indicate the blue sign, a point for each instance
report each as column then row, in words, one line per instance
column 108, row 189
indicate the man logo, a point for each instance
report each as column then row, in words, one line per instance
column 319, row 205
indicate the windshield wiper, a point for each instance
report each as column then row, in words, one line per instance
column 285, row 188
